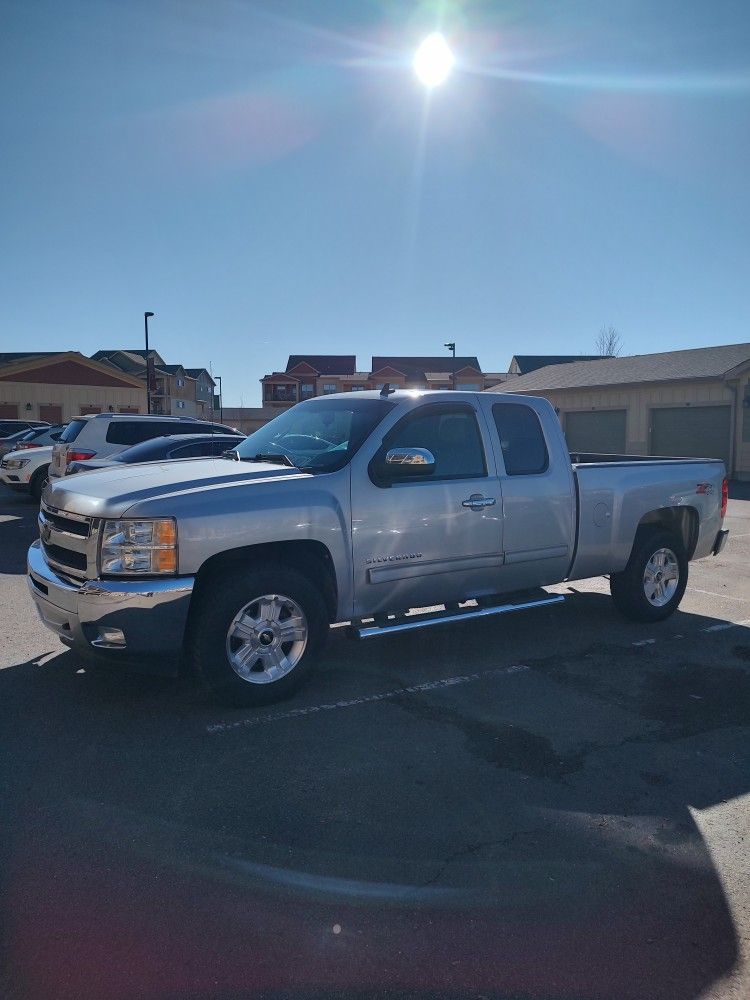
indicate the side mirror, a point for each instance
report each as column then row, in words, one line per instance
column 407, row 462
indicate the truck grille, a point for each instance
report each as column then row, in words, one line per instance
column 68, row 541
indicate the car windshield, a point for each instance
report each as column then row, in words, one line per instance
column 317, row 436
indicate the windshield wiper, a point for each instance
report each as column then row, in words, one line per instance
column 272, row 457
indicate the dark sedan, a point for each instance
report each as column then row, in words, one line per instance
column 164, row 449
column 36, row 438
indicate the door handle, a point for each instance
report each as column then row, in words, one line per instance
column 476, row 501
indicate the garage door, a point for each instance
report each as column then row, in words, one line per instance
column 692, row 431
column 9, row 411
column 600, row 431
column 51, row 412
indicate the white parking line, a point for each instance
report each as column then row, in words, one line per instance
column 294, row 713
column 724, row 597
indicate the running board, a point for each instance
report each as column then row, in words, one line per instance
column 409, row 623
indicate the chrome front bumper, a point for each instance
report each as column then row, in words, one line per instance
column 123, row 618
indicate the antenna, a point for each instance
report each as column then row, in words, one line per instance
column 386, row 391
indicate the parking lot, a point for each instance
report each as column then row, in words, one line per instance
column 551, row 805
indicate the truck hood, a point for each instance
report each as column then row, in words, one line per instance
column 111, row 491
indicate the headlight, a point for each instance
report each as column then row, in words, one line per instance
column 133, row 547
column 16, row 463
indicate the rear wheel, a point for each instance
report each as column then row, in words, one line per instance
column 38, row 482
column 254, row 635
column 653, row 583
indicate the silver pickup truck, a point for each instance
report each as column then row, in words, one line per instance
column 364, row 508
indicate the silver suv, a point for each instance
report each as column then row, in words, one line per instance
column 102, row 435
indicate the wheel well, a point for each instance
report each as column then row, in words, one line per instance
column 681, row 521
column 308, row 557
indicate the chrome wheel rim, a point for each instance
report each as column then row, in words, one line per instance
column 661, row 577
column 267, row 638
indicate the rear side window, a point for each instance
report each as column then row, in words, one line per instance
column 196, row 449
column 72, row 431
column 521, row 438
column 135, row 431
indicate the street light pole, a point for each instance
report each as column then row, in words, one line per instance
column 146, row 316
column 221, row 401
column 452, row 348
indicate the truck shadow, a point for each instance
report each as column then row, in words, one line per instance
column 529, row 835
column 18, row 528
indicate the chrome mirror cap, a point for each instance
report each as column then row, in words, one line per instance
column 411, row 456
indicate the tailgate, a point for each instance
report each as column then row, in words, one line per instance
column 59, row 459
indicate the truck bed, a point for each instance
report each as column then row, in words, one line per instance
column 615, row 493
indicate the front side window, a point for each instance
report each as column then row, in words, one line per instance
column 521, row 439
column 448, row 430
column 320, row 435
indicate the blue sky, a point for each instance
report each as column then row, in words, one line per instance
column 269, row 178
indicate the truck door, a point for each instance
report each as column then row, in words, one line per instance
column 536, row 480
column 425, row 540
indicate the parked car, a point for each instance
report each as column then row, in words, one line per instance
column 27, row 469
column 356, row 508
column 167, row 448
column 103, row 435
column 8, row 427
column 12, row 431
column 32, row 439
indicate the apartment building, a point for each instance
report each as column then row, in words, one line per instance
column 175, row 390
column 308, row 375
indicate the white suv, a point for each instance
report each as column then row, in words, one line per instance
column 105, row 434
column 27, row 469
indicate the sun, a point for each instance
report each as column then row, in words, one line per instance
column 433, row 60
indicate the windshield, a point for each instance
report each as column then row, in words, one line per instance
column 319, row 436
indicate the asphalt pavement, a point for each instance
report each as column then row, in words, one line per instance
column 550, row 805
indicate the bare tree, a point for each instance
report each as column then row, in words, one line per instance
column 609, row 342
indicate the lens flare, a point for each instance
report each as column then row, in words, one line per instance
column 433, row 60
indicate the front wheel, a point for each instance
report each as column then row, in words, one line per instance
column 38, row 482
column 653, row 583
column 255, row 633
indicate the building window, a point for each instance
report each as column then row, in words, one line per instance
column 281, row 393
column 180, row 383
column 329, row 387
column 308, row 389
column 358, row 388
column 180, row 404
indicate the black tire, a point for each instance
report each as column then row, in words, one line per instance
column 38, row 482
column 215, row 610
column 629, row 588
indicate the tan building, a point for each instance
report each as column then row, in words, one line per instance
column 64, row 384
column 175, row 390
column 680, row 403
column 309, row 375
